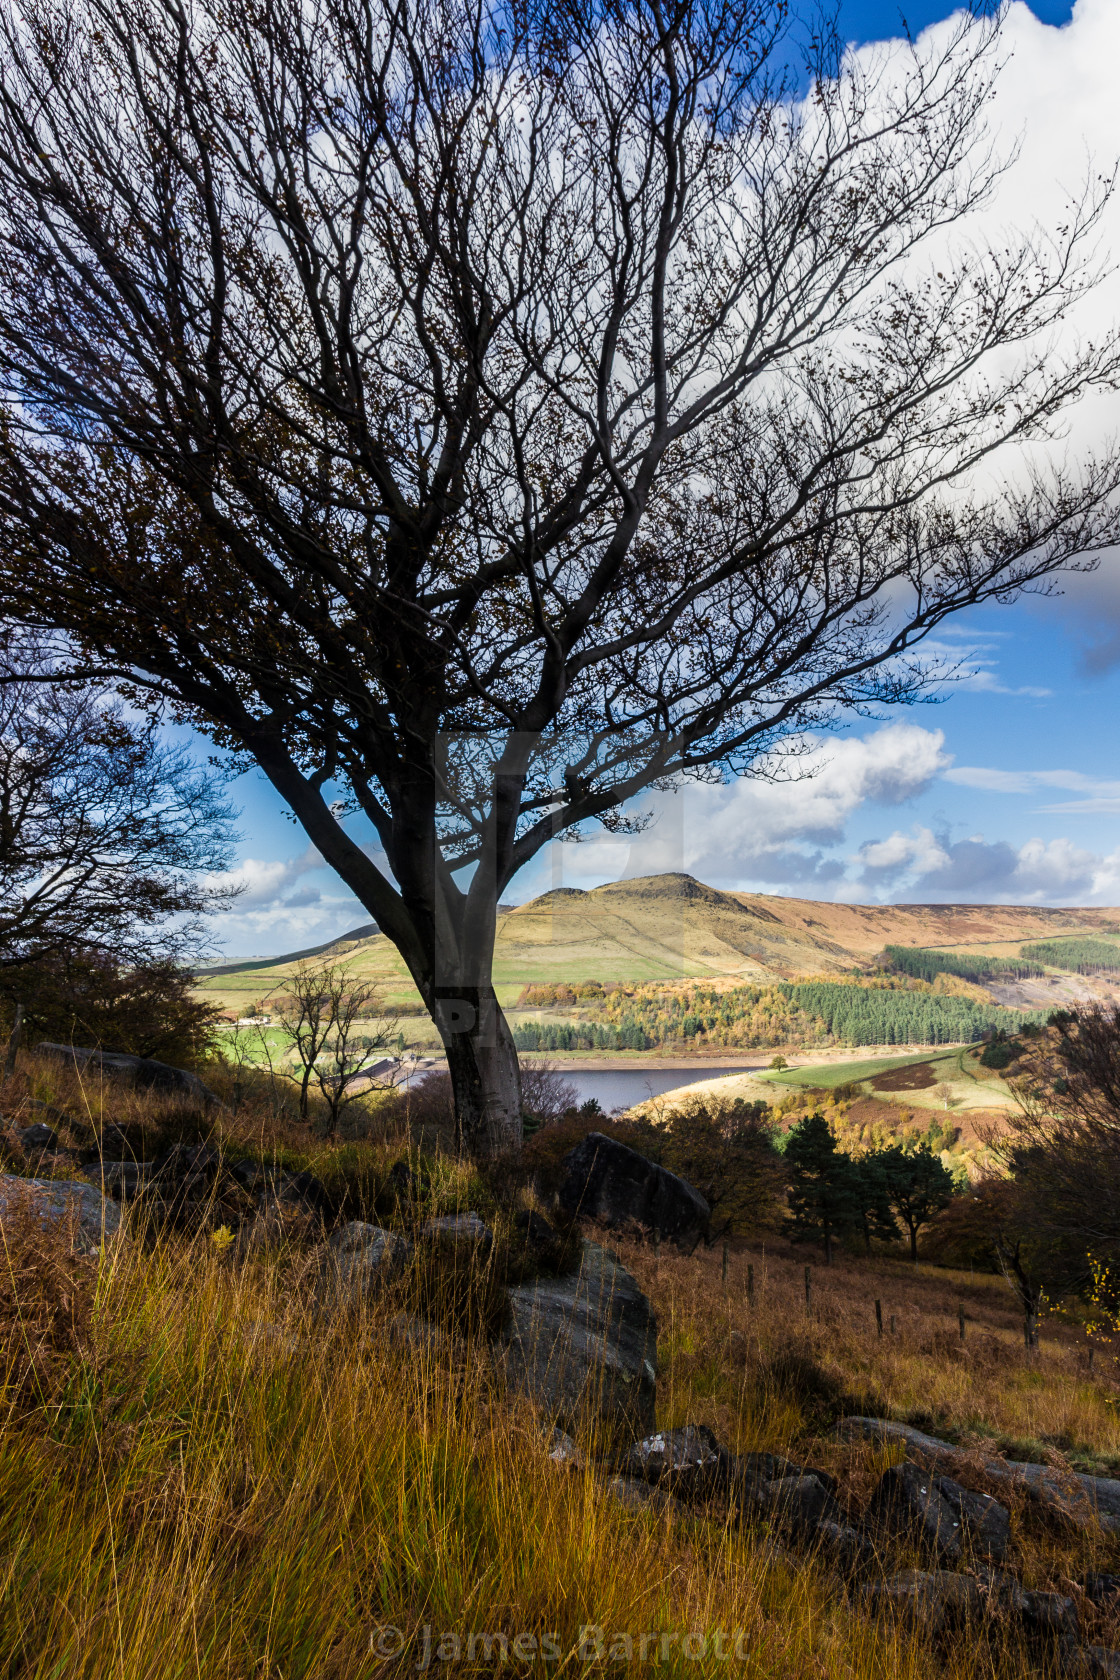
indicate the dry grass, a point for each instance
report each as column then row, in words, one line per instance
column 988, row 1388
column 239, row 1493
column 218, row 1483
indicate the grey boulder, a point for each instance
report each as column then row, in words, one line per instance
column 122, row 1180
column 1043, row 1615
column 933, row 1599
column 142, row 1071
column 585, row 1343
column 908, row 1502
column 37, row 1137
column 359, row 1260
column 801, row 1502
column 461, row 1229
column 634, row 1494
column 1101, row 1589
column 58, row 1201
column 845, row 1547
column 608, row 1181
column 563, row 1450
column 984, row 1522
column 1092, row 1662
column 689, row 1461
column 939, row 1514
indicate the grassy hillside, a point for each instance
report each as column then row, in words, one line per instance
column 670, row 928
column 200, row 1474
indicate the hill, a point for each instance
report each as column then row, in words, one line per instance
column 672, row 927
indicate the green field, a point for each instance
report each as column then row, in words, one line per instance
column 825, row 1076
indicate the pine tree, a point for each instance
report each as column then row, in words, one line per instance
column 824, row 1196
column 918, row 1185
column 873, row 1192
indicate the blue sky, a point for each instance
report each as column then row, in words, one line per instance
column 1008, row 789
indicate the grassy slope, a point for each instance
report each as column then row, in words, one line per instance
column 221, row 1483
column 241, row 1491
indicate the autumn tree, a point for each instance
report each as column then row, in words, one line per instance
column 724, row 1146
column 477, row 413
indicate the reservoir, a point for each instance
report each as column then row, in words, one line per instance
column 622, row 1087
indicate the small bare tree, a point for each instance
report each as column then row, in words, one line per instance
column 329, row 1019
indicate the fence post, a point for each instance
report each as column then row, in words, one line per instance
column 892, row 1324
column 808, row 1292
column 960, row 1319
column 750, row 1285
column 879, row 1317
column 14, row 1042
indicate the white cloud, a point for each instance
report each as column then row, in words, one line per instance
column 921, row 866
column 264, row 883
column 1054, row 108
column 898, row 854
column 1098, row 795
column 283, row 906
column 759, row 829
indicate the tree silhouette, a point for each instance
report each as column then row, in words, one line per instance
column 918, row 1185
column 825, row 1195
column 475, row 414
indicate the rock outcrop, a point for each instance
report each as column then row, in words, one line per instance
column 359, row 1261
column 608, row 1181
column 1084, row 1501
column 584, row 1344
column 142, row 1071
column 939, row 1515
column 62, row 1203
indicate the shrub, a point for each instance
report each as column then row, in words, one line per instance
column 46, row 1301
column 87, row 998
column 725, row 1149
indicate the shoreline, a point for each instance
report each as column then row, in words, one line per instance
column 748, row 1061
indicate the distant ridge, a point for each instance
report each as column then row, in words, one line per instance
column 354, row 937
column 673, row 928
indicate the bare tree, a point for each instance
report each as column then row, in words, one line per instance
column 477, row 414
column 328, row 1018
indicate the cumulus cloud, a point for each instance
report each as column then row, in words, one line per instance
column 923, row 866
column 1053, row 114
column 282, row 906
column 264, row 883
column 771, row 828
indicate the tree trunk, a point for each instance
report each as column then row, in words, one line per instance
column 485, row 1077
column 914, row 1244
